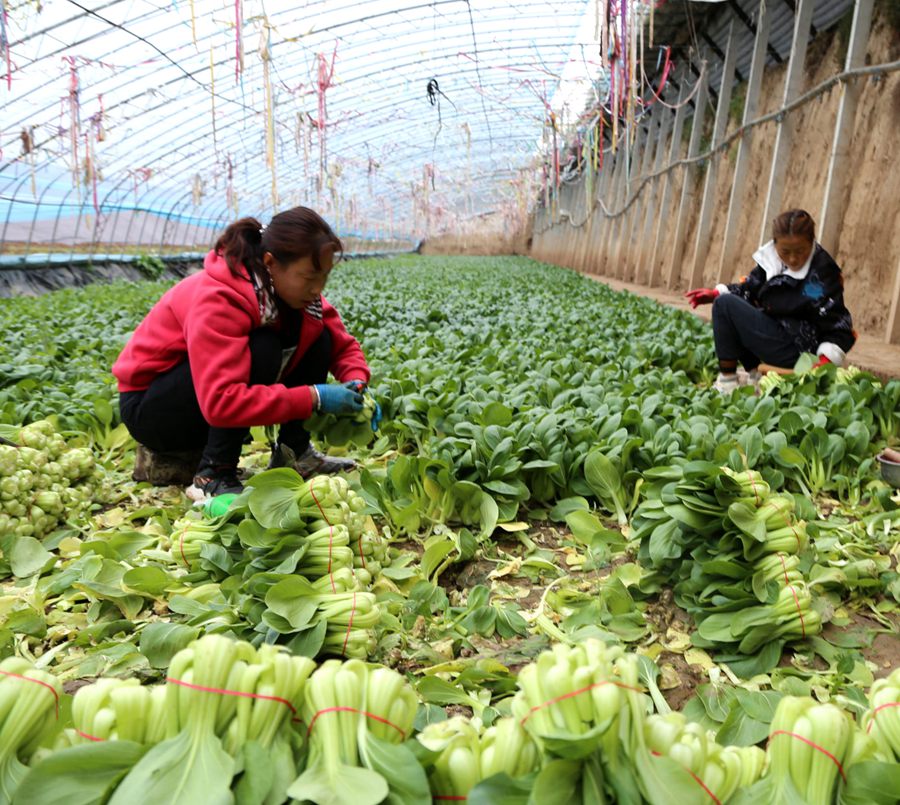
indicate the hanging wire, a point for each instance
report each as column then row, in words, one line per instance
column 478, row 74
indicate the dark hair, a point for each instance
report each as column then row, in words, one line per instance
column 794, row 222
column 291, row 235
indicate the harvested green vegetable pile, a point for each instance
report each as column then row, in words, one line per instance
column 560, row 537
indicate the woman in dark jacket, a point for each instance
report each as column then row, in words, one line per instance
column 792, row 302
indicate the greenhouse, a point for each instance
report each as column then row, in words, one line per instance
column 488, row 401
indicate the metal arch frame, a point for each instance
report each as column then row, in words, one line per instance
column 191, row 75
column 180, row 144
column 165, row 103
column 225, row 146
column 349, row 150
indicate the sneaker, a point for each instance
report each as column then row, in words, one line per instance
column 211, row 482
column 726, row 384
column 165, row 469
column 750, row 378
column 310, row 462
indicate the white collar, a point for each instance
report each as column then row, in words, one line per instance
column 767, row 258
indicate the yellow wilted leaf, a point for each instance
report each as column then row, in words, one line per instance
column 518, row 526
column 668, row 677
column 677, row 641
column 112, row 518
column 509, row 569
column 652, row 651
column 697, row 656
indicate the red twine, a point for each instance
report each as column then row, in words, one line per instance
column 813, row 745
column 352, row 710
column 793, row 593
column 312, row 491
column 224, row 692
column 181, row 548
column 37, row 682
column 89, row 737
column 574, row 693
column 699, row 782
column 349, row 626
column 877, row 710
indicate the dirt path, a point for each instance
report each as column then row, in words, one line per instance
column 869, row 353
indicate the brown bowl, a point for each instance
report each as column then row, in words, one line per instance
column 890, row 466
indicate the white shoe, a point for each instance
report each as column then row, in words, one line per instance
column 726, row 384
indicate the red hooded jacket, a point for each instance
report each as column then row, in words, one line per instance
column 207, row 319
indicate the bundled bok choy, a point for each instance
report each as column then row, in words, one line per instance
column 29, row 708
column 225, row 701
column 357, row 719
column 882, row 720
column 464, row 754
column 718, row 771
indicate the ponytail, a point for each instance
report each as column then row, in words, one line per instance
column 241, row 245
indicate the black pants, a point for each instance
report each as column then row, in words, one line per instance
column 167, row 417
column 745, row 333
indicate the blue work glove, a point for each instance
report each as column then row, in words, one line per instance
column 376, row 417
column 334, row 399
column 361, row 386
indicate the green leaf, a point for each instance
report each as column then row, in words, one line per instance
column 501, row 789
column 308, row 642
column 26, row 556
column 273, row 498
column 406, row 779
column 437, row 691
column 162, row 641
column 871, row 783
column 292, row 599
column 79, row 775
column 739, row 729
column 602, row 476
column 557, row 783
column 342, row 785
column 563, row 507
column 254, row 784
column 150, row 580
column 183, row 770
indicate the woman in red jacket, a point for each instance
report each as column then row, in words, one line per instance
column 247, row 341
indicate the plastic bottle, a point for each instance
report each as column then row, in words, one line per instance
column 217, row 506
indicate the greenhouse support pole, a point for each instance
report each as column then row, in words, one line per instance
column 742, row 163
column 624, row 218
column 595, row 217
column 650, row 210
column 836, row 184
column 581, row 249
column 793, row 83
column 708, row 203
column 662, row 214
column 575, row 204
column 600, row 226
column 892, row 335
column 586, row 217
column 687, row 187
column 632, row 260
column 612, row 196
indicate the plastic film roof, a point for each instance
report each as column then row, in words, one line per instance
column 154, row 123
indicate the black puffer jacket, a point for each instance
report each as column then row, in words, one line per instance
column 811, row 309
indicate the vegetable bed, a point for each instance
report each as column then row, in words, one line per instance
column 593, row 578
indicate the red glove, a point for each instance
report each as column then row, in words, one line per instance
column 823, row 361
column 701, row 296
